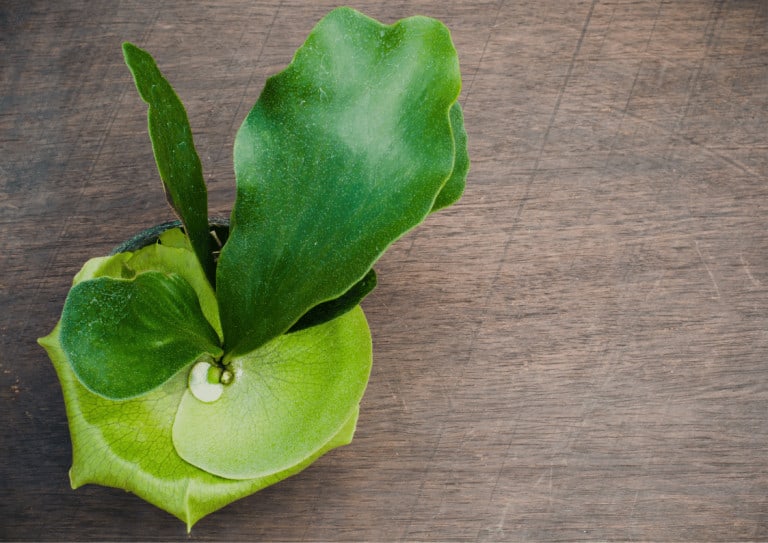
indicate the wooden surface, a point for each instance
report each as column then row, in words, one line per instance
column 577, row 350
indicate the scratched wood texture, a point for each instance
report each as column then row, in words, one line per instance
column 578, row 350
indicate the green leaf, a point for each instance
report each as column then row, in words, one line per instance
column 345, row 151
column 337, row 307
column 175, row 154
column 173, row 254
column 288, row 398
column 174, row 238
column 454, row 187
column 125, row 337
column 109, row 266
column 127, row 444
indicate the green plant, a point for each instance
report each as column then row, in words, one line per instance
column 193, row 379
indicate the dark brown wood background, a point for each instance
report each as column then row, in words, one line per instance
column 577, row 350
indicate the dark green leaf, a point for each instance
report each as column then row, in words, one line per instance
column 335, row 308
column 175, row 154
column 345, row 151
column 454, row 187
column 125, row 337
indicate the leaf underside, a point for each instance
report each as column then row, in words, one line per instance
column 454, row 187
column 335, row 308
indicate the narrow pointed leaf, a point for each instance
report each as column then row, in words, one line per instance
column 344, row 152
column 125, row 337
column 177, row 160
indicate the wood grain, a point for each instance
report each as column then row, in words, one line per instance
column 578, row 350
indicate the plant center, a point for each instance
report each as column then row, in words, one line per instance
column 207, row 380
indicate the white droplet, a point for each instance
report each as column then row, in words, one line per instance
column 200, row 386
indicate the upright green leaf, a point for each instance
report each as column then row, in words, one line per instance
column 175, row 154
column 345, row 151
column 125, row 337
